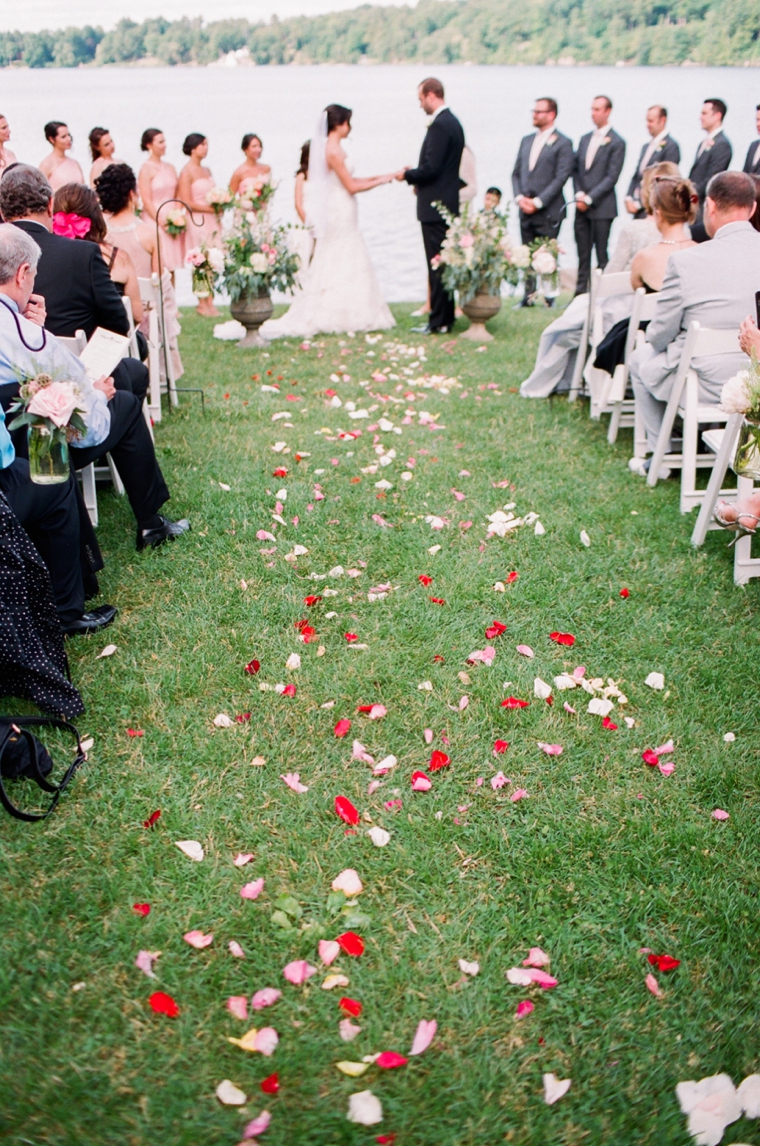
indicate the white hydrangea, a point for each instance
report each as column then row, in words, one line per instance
column 259, row 262
column 521, row 256
column 735, row 396
column 544, row 263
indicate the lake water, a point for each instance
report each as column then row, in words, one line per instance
column 282, row 104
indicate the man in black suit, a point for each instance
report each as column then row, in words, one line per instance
column 713, row 154
column 72, row 276
column 598, row 163
column 752, row 162
column 660, row 149
column 436, row 179
column 543, row 166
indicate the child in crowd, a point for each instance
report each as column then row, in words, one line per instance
column 492, row 199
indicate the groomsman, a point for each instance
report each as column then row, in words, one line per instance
column 660, row 149
column 544, row 164
column 752, row 162
column 598, row 163
column 714, row 152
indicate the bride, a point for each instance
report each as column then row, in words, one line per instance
column 340, row 291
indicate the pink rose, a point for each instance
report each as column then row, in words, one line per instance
column 195, row 257
column 58, row 401
column 466, row 241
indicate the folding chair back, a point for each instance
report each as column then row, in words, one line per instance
column 602, row 287
column 158, row 349
column 615, row 398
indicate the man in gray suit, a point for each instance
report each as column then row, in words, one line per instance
column 752, row 162
column 713, row 284
column 598, row 163
column 660, row 149
column 713, row 154
column 543, row 166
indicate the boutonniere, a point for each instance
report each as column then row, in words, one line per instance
column 605, row 141
column 708, row 144
column 660, row 146
column 552, row 139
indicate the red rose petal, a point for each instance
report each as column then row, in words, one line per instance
column 152, row 819
column 342, row 727
column 351, row 943
column 141, row 908
column 424, row 579
column 271, row 1084
column 562, row 639
column 438, row 760
column 495, row 629
column 607, row 723
column 280, row 472
column 350, row 637
column 346, row 810
column 243, row 718
column 625, row 593
column 163, row 1004
column 500, row 746
column 514, row 702
column 664, row 962
column 389, row 1060
column 351, row 1007
column 438, row 600
column 385, row 1139
column 135, row 732
column 289, row 690
column 439, row 660
column 253, row 667
column 650, row 757
column 511, row 577
column 311, row 600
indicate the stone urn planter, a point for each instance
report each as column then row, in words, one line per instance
column 251, row 312
column 479, row 309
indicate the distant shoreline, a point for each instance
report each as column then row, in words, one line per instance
column 219, row 64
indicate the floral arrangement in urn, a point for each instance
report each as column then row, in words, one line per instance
column 54, row 412
column 741, row 395
column 257, row 258
column 477, row 255
column 175, row 221
column 219, row 198
column 206, row 263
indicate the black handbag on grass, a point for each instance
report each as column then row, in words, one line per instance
column 24, row 757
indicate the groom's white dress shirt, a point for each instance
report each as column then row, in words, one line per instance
column 655, row 143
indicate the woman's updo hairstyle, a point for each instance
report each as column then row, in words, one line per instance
column 148, row 136
column 337, row 115
column 303, row 164
column 94, row 138
column 650, row 174
column 76, row 199
column 113, row 187
column 248, row 139
column 193, row 140
column 675, row 198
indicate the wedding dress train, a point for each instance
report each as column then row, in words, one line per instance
column 340, row 290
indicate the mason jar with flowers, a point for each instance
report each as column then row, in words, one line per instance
column 54, row 413
column 476, row 257
column 257, row 260
column 205, row 263
column 544, row 260
column 741, row 395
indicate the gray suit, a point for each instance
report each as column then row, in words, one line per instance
column 715, row 157
column 546, row 181
column 752, row 162
column 667, row 151
column 592, row 226
column 713, row 284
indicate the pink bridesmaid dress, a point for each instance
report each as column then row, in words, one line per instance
column 67, row 172
column 163, row 186
column 209, row 231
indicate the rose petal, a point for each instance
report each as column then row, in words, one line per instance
column 346, row 810
column 524, row 1008
column 237, row 1005
column 555, row 1088
column 363, row 1107
column 423, row 1036
column 518, row 794
column 525, row 651
column 144, row 962
column 191, row 848
column 293, row 780
column 550, row 749
column 298, row 971
column 252, row 890
column 351, row 1007
column 329, row 951
column 390, row 1060
column 266, row 1041
column 258, row 1125
column 537, row 958
column 499, row 746
column 242, row 858
column 438, row 760
column 663, row 962
column 420, row 782
column 379, row 836
column 266, row 997
column 141, row 908
column 653, row 986
column 270, row 1084
column 198, row 940
column 163, row 1004
column 229, row 1094
column 336, row 979
column 719, row 814
column 498, row 781
column 348, row 882
column 235, row 949
column 348, row 1030
column 351, row 943
column 468, row 968
column 352, row 1069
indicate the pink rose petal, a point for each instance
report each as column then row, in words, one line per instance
column 236, row 949
column 653, row 986
column 536, row 958
column 242, row 858
column 372, row 786
column 569, row 708
column 524, row 1008
column 252, row 890
column 198, row 940
column 237, row 1005
column 421, row 784
column 267, row 1040
column 719, row 814
column 359, row 752
column 518, row 794
column 523, row 977
column 348, row 1030
column 664, row 748
column 667, row 769
column 258, row 1125
column 525, row 651
column 293, row 780
column 550, row 749
column 298, row 972
column 428, row 735
column 423, row 1036
column 329, row 951
column 144, row 962
column 266, row 997
column 377, row 712
column 498, row 781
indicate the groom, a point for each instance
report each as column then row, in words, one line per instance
column 436, row 179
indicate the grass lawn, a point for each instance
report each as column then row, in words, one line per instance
column 603, row 857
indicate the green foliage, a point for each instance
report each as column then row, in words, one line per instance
column 436, row 31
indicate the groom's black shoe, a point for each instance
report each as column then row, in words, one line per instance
column 430, row 330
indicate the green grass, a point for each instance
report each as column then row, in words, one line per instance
column 605, row 857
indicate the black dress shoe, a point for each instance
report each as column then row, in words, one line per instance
column 422, row 329
column 166, row 531
column 91, row 622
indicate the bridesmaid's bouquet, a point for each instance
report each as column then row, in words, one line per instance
column 256, row 198
column 206, row 263
column 257, row 258
column 219, row 198
column 477, row 255
column 175, row 221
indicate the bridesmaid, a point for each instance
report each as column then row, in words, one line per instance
column 302, row 238
column 195, row 182
column 248, row 174
column 58, row 168
column 158, row 182
column 6, row 155
column 102, row 150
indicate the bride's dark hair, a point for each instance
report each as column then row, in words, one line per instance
column 337, row 115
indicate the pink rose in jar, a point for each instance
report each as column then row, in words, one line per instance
column 58, row 401
column 195, row 257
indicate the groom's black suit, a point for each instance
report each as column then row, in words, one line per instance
column 436, row 179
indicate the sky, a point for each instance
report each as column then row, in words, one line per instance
column 34, row 15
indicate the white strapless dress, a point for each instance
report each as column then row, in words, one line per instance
column 340, row 290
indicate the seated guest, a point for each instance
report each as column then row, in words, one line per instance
column 72, row 277
column 713, row 284
column 743, row 516
column 114, row 417
column 49, row 513
column 81, row 206
column 557, row 350
column 674, row 204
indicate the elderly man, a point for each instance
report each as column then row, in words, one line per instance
column 49, row 513
column 713, row 284
column 115, row 420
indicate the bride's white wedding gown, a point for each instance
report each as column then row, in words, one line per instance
column 340, row 291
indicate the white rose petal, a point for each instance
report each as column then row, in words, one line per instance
column 223, row 721
column 229, row 1094
column 293, row 662
column 600, row 707
column 555, row 1088
column 192, row 849
column 655, row 680
column 364, row 1108
column 468, row 968
column 108, row 651
column 541, row 689
column 585, row 538
column 379, row 837
column 729, row 738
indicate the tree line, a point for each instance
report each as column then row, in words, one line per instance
column 712, row 32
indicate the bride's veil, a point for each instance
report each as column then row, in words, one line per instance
column 317, row 178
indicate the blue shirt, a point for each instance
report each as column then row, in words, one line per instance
column 53, row 359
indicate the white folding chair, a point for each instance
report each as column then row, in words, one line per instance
column 91, row 473
column 603, row 287
column 723, row 443
column 615, row 398
column 133, row 351
column 158, row 349
column 684, row 400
